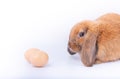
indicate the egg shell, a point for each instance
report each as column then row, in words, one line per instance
column 36, row 57
column 39, row 59
column 30, row 52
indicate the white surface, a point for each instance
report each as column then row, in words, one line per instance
column 46, row 24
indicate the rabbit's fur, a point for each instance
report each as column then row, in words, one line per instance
column 96, row 41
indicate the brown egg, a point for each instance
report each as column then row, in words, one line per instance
column 36, row 57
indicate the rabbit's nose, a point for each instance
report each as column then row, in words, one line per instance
column 70, row 51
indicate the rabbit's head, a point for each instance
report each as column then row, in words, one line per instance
column 83, row 40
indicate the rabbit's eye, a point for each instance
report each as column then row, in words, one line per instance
column 81, row 34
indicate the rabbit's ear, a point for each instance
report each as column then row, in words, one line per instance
column 89, row 48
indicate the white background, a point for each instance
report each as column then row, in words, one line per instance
column 45, row 24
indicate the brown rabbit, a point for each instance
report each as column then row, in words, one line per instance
column 96, row 41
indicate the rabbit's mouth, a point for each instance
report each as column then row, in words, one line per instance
column 71, row 52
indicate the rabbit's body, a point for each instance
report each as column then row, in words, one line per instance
column 109, row 38
column 97, row 41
